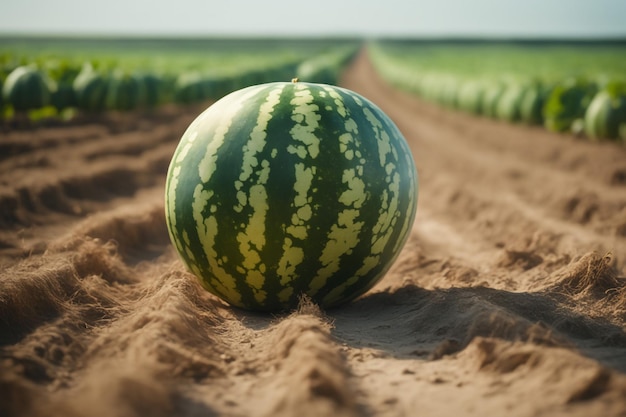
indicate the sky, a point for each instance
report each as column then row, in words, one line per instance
column 484, row 18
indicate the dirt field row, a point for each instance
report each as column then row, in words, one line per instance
column 508, row 299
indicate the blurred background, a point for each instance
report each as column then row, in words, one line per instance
column 540, row 62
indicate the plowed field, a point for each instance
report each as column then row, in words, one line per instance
column 509, row 299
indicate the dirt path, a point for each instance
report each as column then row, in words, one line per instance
column 507, row 299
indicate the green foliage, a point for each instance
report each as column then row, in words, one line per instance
column 566, row 103
column 533, row 82
column 94, row 75
column 63, row 73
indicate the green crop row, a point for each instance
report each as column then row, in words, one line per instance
column 113, row 76
column 566, row 88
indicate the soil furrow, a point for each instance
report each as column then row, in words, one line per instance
column 497, row 305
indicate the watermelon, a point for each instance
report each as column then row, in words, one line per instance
column 470, row 96
column 151, row 88
column 508, row 106
column 566, row 103
column 63, row 73
column 325, row 68
column 491, row 96
column 605, row 114
column 90, row 89
column 531, row 107
column 189, row 88
column 124, row 92
column 284, row 189
column 25, row 88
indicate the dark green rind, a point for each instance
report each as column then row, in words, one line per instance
column 280, row 192
column 25, row 89
column 124, row 92
column 604, row 116
column 90, row 89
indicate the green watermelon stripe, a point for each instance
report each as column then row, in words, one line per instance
column 306, row 122
column 252, row 238
column 345, row 232
column 388, row 212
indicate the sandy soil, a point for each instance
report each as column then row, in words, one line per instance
column 508, row 299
